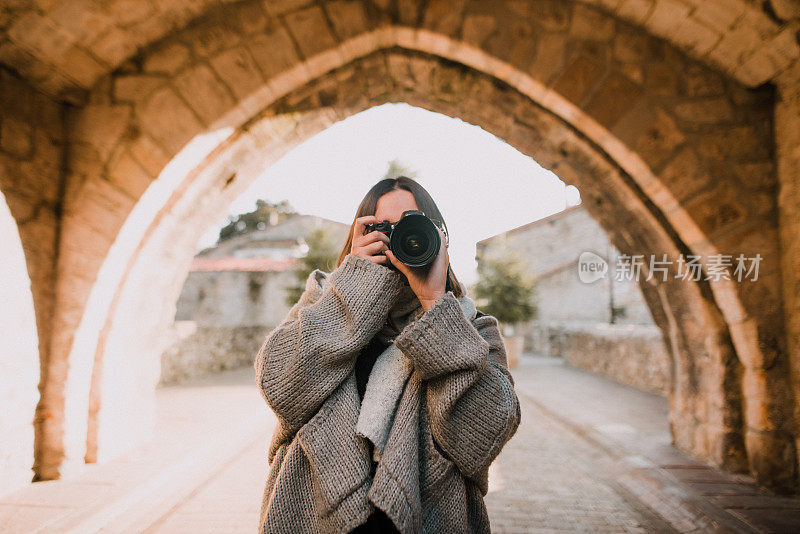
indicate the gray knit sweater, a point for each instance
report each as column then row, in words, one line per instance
column 456, row 412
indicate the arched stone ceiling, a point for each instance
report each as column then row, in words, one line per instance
column 64, row 47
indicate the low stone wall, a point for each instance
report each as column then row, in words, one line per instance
column 196, row 351
column 631, row 354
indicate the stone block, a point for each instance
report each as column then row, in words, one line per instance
column 444, row 16
column 551, row 15
column 719, row 15
column 42, row 34
column 205, row 93
column 311, row 31
column 661, row 79
column 589, row 23
column 16, row 138
column 666, row 16
column 125, row 173
column 279, row 7
column 214, row 36
column 636, row 11
column 348, row 17
column 578, row 79
column 167, row 59
column 708, row 110
column 615, row 95
column 237, row 69
column 477, row 28
column 102, row 126
column 135, row 87
column 549, row 59
column 408, row 12
column 695, row 36
column 168, row 120
column 659, row 139
column 113, row 46
column 149, row 155
column 83, row 67
column 274, row 51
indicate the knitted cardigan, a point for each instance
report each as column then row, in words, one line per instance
column 456, row 412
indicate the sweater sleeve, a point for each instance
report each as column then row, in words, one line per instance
column 310, row 353
column 471, row 403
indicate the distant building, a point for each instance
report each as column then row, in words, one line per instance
column 551, row 248
column 235, row 294
column 574, row 319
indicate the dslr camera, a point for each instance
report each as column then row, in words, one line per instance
column 414, row 239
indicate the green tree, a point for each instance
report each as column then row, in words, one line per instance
column 265, row 214
column 322, row 254
column 505, row 289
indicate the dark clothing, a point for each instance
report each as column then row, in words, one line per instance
column 377, row 523
column 366, row 359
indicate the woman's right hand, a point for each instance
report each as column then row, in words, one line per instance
column 372, row 245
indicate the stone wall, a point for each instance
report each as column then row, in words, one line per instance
column 221, row 320
column 199, row 350
column 631, row 354
column 31, row 157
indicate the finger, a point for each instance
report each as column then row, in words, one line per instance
column 380, row 258
column 374, row 248
column 361, row 222
column 374, row 236
column 402, row 267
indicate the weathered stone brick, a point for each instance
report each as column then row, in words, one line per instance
column 589, row 23
column 699, row 39
column 615, row 95
column 102, row 126
column 237, row 69
column 666, row 16
column 661, row 79
column 279, row 7
column 149, row 155
column 551, row 15
column 125, row 173
column 135, row 87
column 168, row 120
column 444, row 16
column 408, row 11
column 709, row 110
column 635, row 10
column 274, row 52
column 16, row 138
column 311, row 31
column 348, row 17
column 477, row 28
column 212, row 37
column 579, row 78
column 168, row 59
column 549, row 58
column 113, row 46
column 659, row 139
column 207, row 96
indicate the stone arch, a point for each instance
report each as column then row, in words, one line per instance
column 19, row 365
column 596, row 87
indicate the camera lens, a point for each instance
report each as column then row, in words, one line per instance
column 415, row 240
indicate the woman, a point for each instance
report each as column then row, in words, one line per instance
column 391, row 391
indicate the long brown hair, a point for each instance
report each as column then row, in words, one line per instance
column 424, row 202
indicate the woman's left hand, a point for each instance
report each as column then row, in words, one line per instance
column 428, row 284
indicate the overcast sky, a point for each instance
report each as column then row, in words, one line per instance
column 482, row 185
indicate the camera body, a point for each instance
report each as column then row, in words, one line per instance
column 414, row 239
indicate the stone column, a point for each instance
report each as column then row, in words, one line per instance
column 787, row 141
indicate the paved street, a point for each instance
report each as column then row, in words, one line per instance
column 589, row 455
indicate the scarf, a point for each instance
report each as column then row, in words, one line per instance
column 391, row 371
